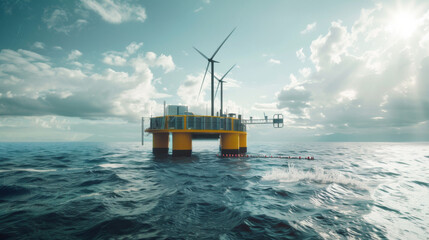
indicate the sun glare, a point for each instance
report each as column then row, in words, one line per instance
column 403, row 24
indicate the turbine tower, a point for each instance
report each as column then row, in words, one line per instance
column 220, row 82
column 212, row 61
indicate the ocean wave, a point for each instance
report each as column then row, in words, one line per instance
column 111, row 165
column 421, row 183
column 30, row 179
column 28, row 170
column 263, row 226
column 90, row 183
column 118, row 226
column 12, row 191
column 121, row 191
column 90, row 195
column 317, row 175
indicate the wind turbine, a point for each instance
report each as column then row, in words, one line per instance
column 220, row 82
column 212, row 61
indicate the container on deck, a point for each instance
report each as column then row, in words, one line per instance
column 177, row 110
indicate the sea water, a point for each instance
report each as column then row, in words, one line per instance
column 122, row 191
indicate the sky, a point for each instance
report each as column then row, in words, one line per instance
column 337, row 70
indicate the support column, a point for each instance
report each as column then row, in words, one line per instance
column 160, row 143
column 243, row 143
column 212, row 88
column 182, row 144
column 229, row 143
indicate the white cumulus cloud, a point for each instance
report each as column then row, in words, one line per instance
column 274, row 61
column 300, row 55
column 309, row 28
column 116, row 11
column 32, row 85
column 39, row 45
column 362, row 85
column 328, row 49
column 74, row 54
column 61, row 21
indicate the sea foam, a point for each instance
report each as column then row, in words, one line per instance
column 317, row 175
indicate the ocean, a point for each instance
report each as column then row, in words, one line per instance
column 121, row 191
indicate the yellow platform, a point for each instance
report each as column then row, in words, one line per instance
column 233, row 135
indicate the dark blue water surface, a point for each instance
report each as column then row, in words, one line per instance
column 120, row 190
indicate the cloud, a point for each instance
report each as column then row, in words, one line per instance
column 115, row 60
column 58, row 128
column 116, row 11
column 57, row 48
column 74, row 54
column 166, row 62
column 150, row 59
column 362, row 85
column 327, row 50
column 51, row 122
column 265, row 107
column 309, row 28
column 32, row 85
column 300, row 55
column 133, row 47
column 305, row 72
column 39, row 45
column 294, row 97
column 188, row 91
column 347, row 95
column 198, row 9
column 60, row 21
column 29, row 54
column 274, row 61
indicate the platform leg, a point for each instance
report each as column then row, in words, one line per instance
column 243, row 142
column 229, row 143
column 182, row 144
column 160, row 143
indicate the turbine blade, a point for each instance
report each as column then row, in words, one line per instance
column 228, row 72
column 207, row 68
column 217, row 88
column 215, row 76
column 217, row 50
column 202, row 54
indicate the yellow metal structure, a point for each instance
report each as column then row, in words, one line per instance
column 182, row 144
column 230, row 143
column 243, row 142
column 183, row 127
column 160, row 143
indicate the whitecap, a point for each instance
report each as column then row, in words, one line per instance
column 90, row 195
column 131, row 189
column 318, row 175
column 111, row 165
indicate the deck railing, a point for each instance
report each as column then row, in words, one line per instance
column 197, row 123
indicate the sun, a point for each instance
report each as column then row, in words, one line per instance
column 403, row 24
column 405, row 19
